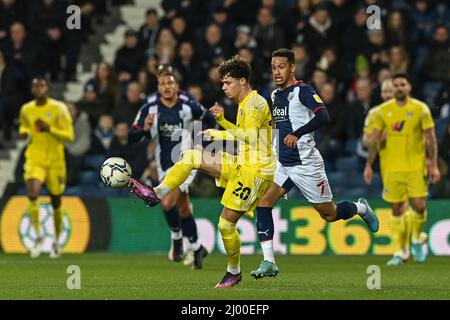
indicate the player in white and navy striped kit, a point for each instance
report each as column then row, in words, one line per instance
column 297, row 112
column 167, row 118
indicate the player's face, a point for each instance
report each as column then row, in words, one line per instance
column 282, row 71
column 231, row 87
column 402, row 88
column 39, row 89
column 167, row 87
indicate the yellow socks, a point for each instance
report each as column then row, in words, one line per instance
column 191, row 159
column 232, row 244
column 57, row 219
column 417, row 222
column 398, row 229
column 33, row 211
column 408, row 216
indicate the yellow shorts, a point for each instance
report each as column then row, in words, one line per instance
column 243, row 189
column 53, row 177
column 401, row 186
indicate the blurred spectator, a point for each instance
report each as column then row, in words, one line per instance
column 354, row 38
column 144, row 81
column 25, row 56
column 297, row 20
column 196, row 91
column 318, row 79
column 332, row 66
column 191, row 10
column 398, row 60
column 151, row 68
column 181, row 31
column 423, row 17
column 442, row 106
column 7, row 90
column 101, row 141
column 212, row 89
column 437, row 62
column 244, row 38
column 396, row 30
column 212, row 47
column 268, row 35
column 239, row 11
column 46, row 20
column 383, row 74
column 126, row 110
column 106, row 86
column 357, row 111
column 10, row 11
column 129, row 58
column 77, row 149
column 376, row 51
column 91, row 104
column 187, row 64
column 133, row 153
column 260, row 75
column 320, row 31
column 149, row 31
column 166, row 46
column 220, row 17
column 303, row 63
column 341, row 14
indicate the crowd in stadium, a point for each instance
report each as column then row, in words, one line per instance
column 335, row 51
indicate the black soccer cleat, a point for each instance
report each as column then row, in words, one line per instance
column 178, row 253
column 199, row 255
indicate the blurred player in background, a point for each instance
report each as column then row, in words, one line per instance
column 48, row 124
column 407, row 160
column 297, row 112
column 163, row 118
column 245, row 177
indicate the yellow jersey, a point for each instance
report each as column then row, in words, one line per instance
column 404, row 125
column 46, row 148
column 253, row 130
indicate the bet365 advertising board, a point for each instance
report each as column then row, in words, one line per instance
column 127, row 225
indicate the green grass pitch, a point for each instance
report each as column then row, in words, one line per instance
column 152, row 276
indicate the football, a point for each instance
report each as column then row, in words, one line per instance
column 115, row 172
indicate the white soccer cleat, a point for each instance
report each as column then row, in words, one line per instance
column 55, row 251
column 188, row 258
column 37, row 248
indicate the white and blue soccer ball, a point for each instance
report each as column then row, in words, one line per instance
column 115, row 172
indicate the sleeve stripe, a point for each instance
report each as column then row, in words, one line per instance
column 136, row 126
column 319, row 108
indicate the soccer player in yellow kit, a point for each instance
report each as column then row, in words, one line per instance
column 47, row 124
column 245, row 177
column 408, row 160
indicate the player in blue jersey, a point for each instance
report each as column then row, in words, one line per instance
column 297, row 112
column 167, row 118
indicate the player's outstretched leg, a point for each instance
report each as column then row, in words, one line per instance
column 232, row 244
column 369, row 216
column 191, row 159
column 265, row 229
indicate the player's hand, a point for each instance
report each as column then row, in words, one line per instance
column 148, row 122
column 368, row 174
column 206, row 134
column 41, row 125
column 291, row 141
column 216, row 110
column 434, row 175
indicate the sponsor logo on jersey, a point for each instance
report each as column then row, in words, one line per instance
column 168, row 129
column 317, row 98
column 398, row 126
column 279, row 113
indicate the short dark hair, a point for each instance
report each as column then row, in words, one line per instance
column 286, row 53
column 236, row 67
column 401, row 76
column 151, row 11
column 40, row 78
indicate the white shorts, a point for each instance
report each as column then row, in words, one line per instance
column 184, row 187
column 309, row 177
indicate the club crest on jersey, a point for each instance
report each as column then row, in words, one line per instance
column 48, row 115
column 290, row 96
column 398, row 126
column 409, row 114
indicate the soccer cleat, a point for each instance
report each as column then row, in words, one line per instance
column 37, row 248
column 423, row 238
column 188, row 258
column 145, row 193
column 55, row 251
column 177, row 253
column 369, row 216
column 229, row 280
column 265, row 269
column 199, row 255
column 395, row 261
column 417, row 250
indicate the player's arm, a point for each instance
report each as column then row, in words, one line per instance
column 432, row 155
column 24, row 127
column 63, row 130
column 201, row 114
column 373, row 147
column 141, row 125
column 311, row 100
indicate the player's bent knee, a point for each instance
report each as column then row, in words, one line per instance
column 193, row 157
